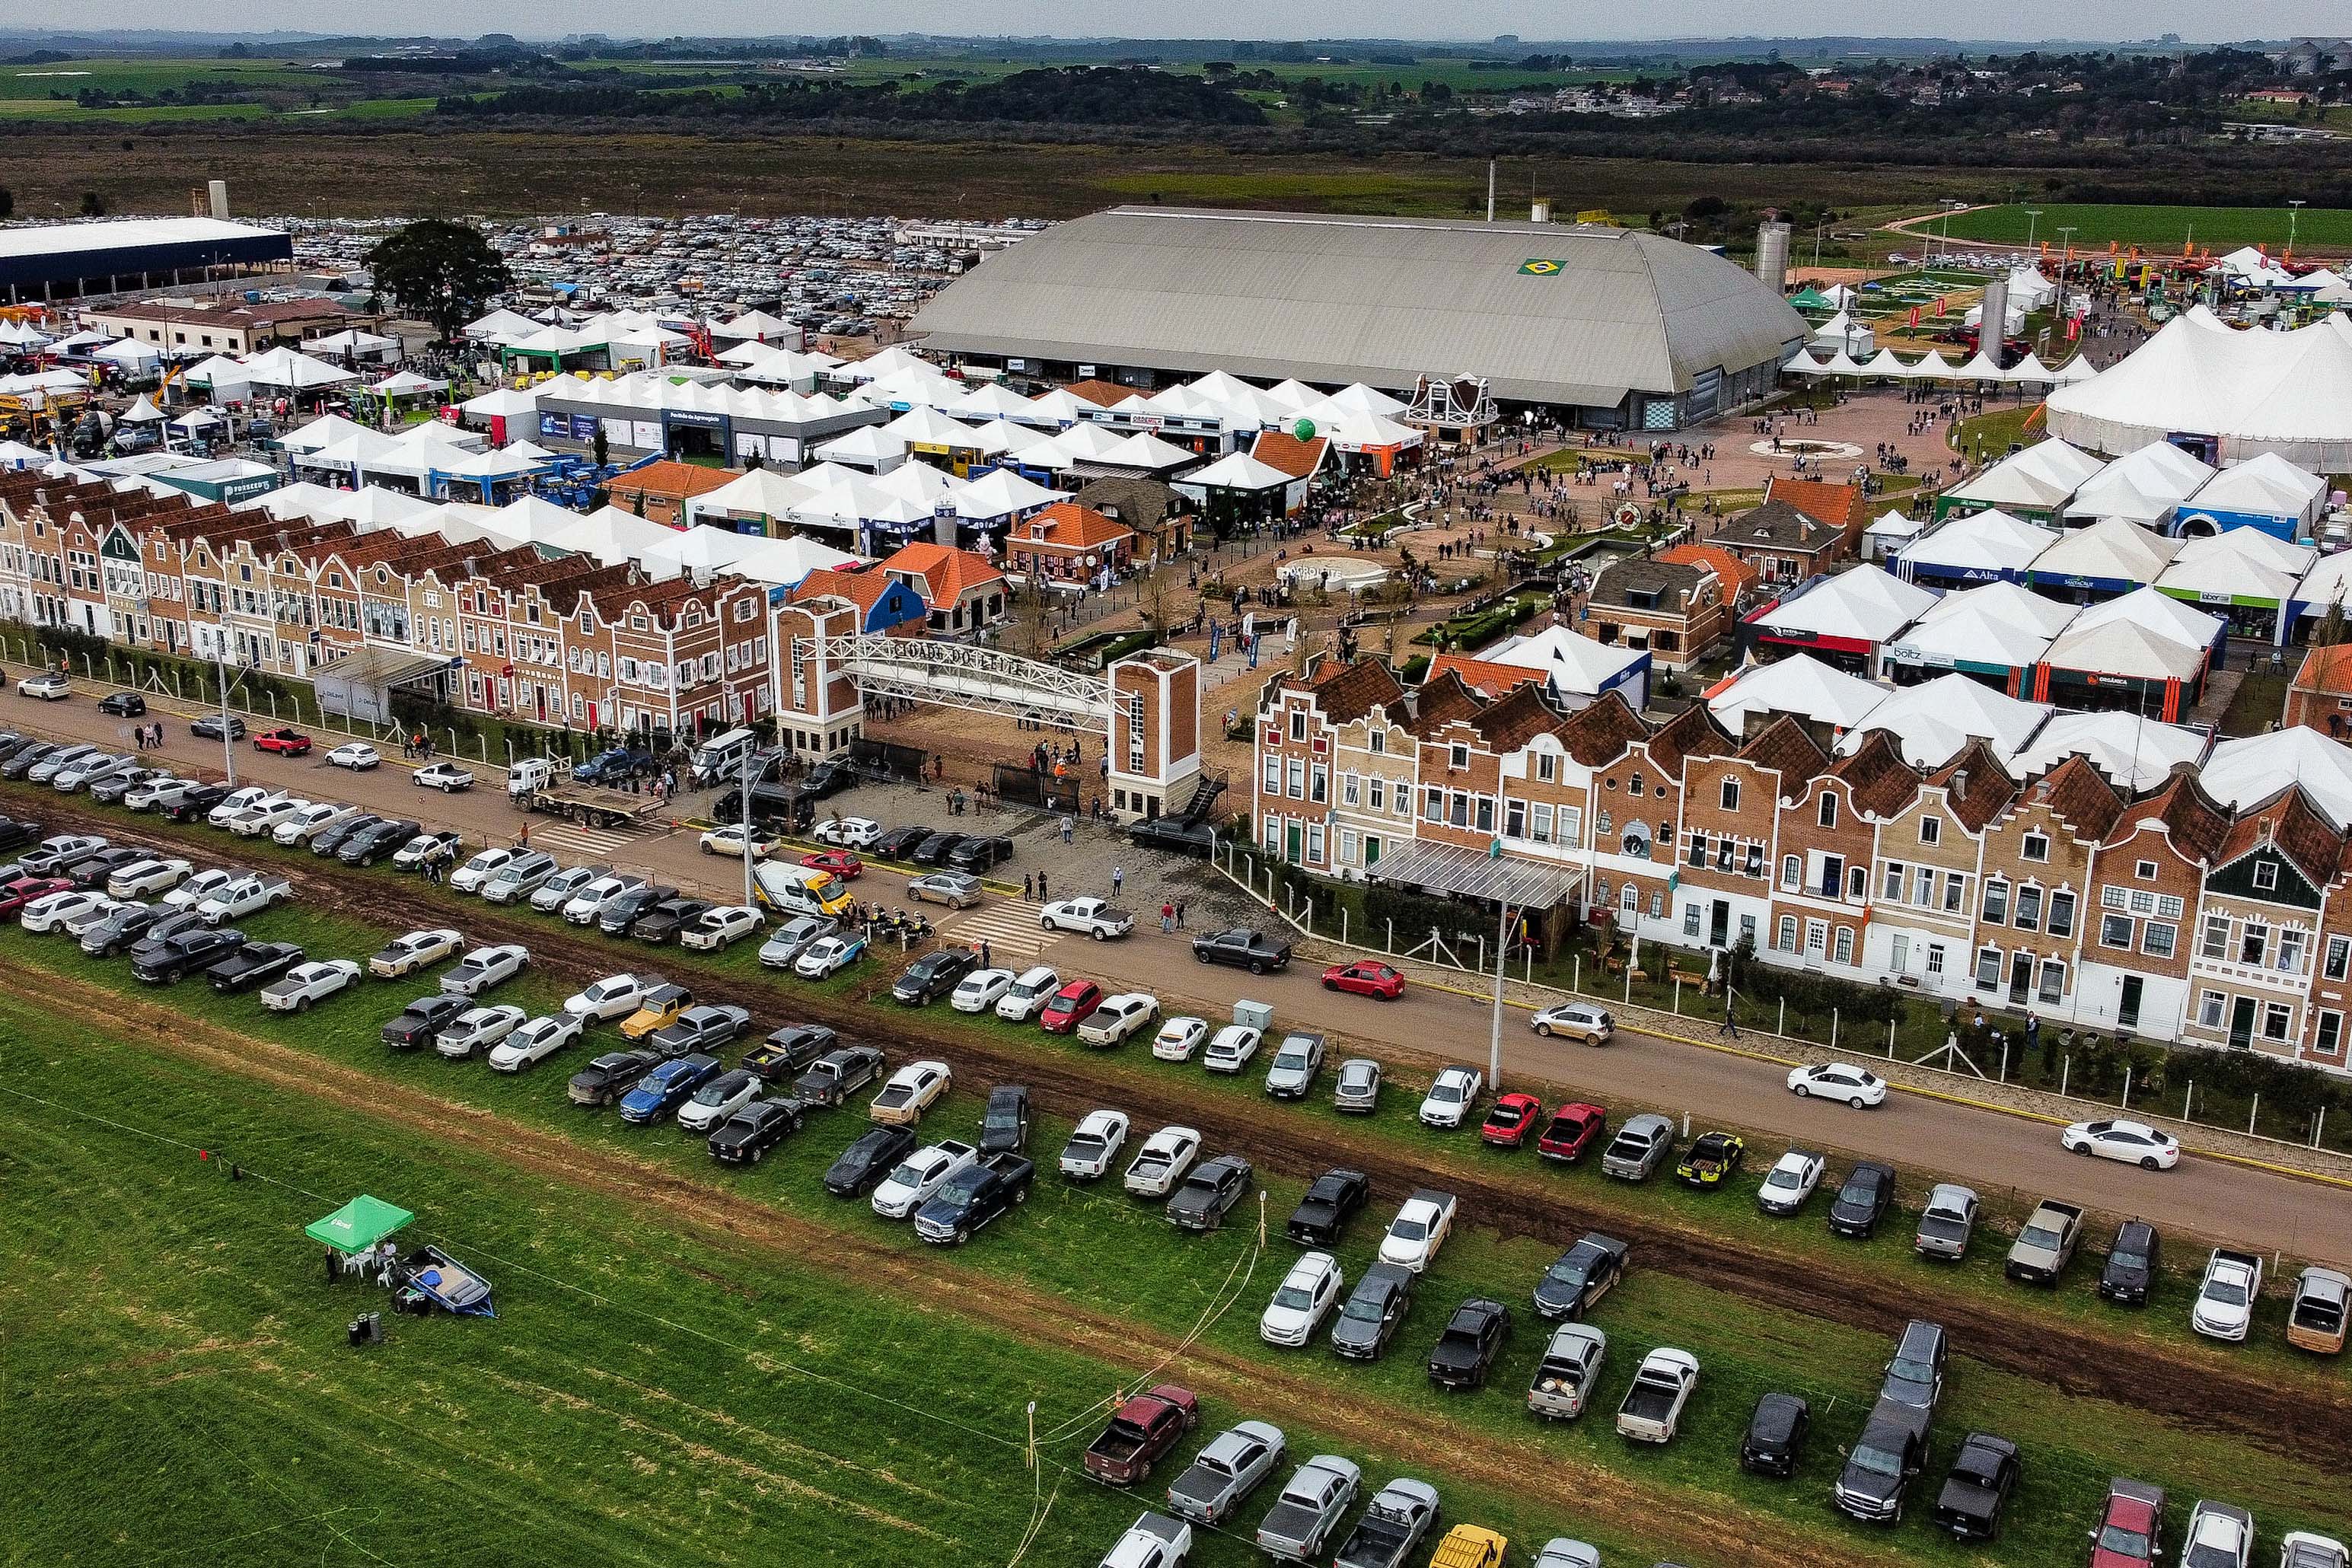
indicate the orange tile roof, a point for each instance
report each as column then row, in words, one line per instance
column 1102, row 393
column 669, row 477
column 1492, row 679
column 862, row 586
column 1839, row 506
column 1280, row 450
column 2328, row 670
column 948, row 574
column 1737, row 575
column 1067, row 525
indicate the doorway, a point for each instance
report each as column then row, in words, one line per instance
column 1718, row 928
column 1296, row 842
column 2241, row 1024
column 2127, row 1009
column 2021, row 977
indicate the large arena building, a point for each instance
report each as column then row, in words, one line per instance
column 1612, row 328
column 60, row 260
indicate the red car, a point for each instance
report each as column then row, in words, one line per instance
column 840, row 862
column 286, row 742
column 1574, row 1127
column 1070, row 1004
column 1514, row 1117
column 1365, row 977
column 2131, row 1526
column 25, row 889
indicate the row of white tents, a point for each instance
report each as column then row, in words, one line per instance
column 2158, row 485
column 1933, row 366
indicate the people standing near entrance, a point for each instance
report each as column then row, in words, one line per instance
column 1029, row 888
column 1167, row 919
column 1042, row 894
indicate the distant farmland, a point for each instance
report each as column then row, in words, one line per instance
column 2160, row 229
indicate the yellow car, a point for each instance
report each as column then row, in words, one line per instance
column 1470, row 1546
column 659, row 1011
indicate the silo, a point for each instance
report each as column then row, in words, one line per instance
column 1995, row 317
column 1772, row 256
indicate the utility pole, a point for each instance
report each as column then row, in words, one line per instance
column 1502, row 951
column 2293, row 211
column 749, row 758
column 1490, row 190
column 220, row 669
column 2032, row 213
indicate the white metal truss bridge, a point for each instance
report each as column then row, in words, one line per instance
column 963, row 675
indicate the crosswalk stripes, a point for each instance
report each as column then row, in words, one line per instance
column 1008, row 929
column 580, row 841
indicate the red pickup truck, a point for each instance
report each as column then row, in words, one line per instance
column 1140, row 1433
column 286, row 742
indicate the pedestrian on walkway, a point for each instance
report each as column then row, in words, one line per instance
column 1042, row 894
column 1069, row 827
column 1167, row 919
column 1028, row 888
column 1179, row 915
column 987, row 955
column 1118, row 880
column 1730, row 1021
column 523, row 837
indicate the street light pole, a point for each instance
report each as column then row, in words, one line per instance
column 749, row 758
column 1495, row 1038
column 2032, row 215
column 2293, row 211
column 228, row 752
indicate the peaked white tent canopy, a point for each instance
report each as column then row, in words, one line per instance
column 1931, row 721
column 2144, row 486
column 2256, row 391
column 2265, row 485
column 1979, row 546
column 129, row 355
column 1801, row 685
column 143, row 412
column 1998, row 623
column 2135, row 753
column 1001, row 494
column 1146, row 453
column 756, row 324
column 867, row 447
column 2040, row 479
column 755, row 493
column 2247, row 772
column 2244, row 563
column 1237, row 471
column 2110, row 556
column 284, row 367
column 407, row 384
column 1867, row 602
column 349, row 341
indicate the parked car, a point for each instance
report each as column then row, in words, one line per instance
column 608, row 1078
column 1089, row 916
column 977, row 855
column 421, row 1020
column 1574, row 1128
column 2045, row 1244
column 1119, row 1016
column 1162, row 1163
column 914, row 1179
column 1776, row 1435
column 1977, row 1488
column 2220, row 1535
column 1711, row 1160
column 912, row 1090
column 485, row 968
column 183, row 952
column 1510, row 1121
column 848, row 832
column 1867, row 1192
column 478, row 1029
column 1652, row 1407
column 1028, row 994
column 974, row 1197
column 872, row 1156
column 837, row 1074
column 47, row 687
column 1881, row 1461
column 829, row 955
column 1332, row 1198
column 447, row 777
column 330, row 839
column 979, row 991
column 707, row 1026
column 286, row 740
column 718, row 927
column 621, row 911
column 1641, row 1146
column 1076, row 1000
column 1153, row 1541
column 1242, row 947
column 1308, row 1510
column 786, row 944
column 589, row 896
column 1567, row 1372
column 1422, row 1223
column 1947, row 1222
column 2315, row 1316
column 255, row 964
column 555, row 895
column 2131, row 1527
column 1005, row 1126
column 1582, row 1021
column 1472, row 1546
column 2224, row 1309
column 1093, row 1145
column 64, row 909
column 536, row 1040
column 1372, row 1312
column 486, row 863
column 1141, row 1433
column 417, row 950
column 1580, row 1277
column 746, row 1136
column 123, row 705
column 1357, row 1087
column 1209, row 1192
column 1394, row 1523
column 246, row 895
column 1451, row 1095
column 1303, row 1299
column 1227, row 1470
column 1365, row 977
column 789, row 1051
column 934, row 849
column 1230, row 1049
column 1466, row 1351
column 956, row 889
column 1789, row 1182
column 899, row 843
column 730, row 840
column 1915, row 1375
column 356, row 755
column 1296, row 1060
column 434, row 846
column 2131, row 1263
column 212, row 727
column 933, row 976
column 2134, row 1142
column 1857, row 1086
column 368, row 845
column 2304, row 1549
column 659, row 1094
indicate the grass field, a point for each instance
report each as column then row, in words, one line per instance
column 2155, row 228
column 225, row 1306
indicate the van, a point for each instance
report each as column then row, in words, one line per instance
column 723, row 756
column 802, row 890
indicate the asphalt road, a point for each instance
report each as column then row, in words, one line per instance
column 1925, row 1138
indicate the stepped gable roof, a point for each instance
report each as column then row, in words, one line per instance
column 2302, row 834
column 2080, row 797
column 1976, row 787
column 1440, row 700
column 1689, row 733
column 1517, row 718
column 1602, row 731
column 2197, row 826
column 1882, row 782
column 1785, row 748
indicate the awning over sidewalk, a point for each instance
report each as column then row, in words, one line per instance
column 1471, row 874
column 359, row 685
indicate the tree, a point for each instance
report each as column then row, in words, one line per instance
column 7, row 202
column 93, row 204
column 442, row 272
column 599, row 446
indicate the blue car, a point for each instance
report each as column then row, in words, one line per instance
column 660, row 1092
column 597, row 766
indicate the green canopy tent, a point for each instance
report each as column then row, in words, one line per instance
column 1810, row 299
column 358, row 1225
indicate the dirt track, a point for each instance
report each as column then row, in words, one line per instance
column 1499, row 1465
column 2196, row 1390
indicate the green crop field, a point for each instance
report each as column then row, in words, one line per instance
column 2155, row 228
column 668, row 1409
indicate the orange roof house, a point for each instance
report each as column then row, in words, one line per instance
column 885, row 603
column 2321, row 696
column 1737, row 575
column 1299, row 459
column 964, row 589
column 1069, row 541
column 660, row 491
column 1839, row 506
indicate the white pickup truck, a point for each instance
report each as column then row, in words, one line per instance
column 1422, row 1223
column 2225, row 1298
column 244, row 896
column 1090, row 917
column 1653, row 1405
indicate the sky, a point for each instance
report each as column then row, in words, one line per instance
column 1478, row 19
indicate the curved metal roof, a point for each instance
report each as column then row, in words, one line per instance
column 1578, row 314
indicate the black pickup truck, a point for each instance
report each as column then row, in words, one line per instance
column 1324, row 1211
column 972, row 1197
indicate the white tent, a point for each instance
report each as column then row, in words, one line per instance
column 225, row 377
column 130, row 356
column 2111, row 555
column 1866, row 603
column 16, row 455
column 503, row 403
column 1887, row 363
column 2241, row 565
column 2032, row 369
column 1802, row 363
column 1801, row 685
column 1001, row 494
column 610, row 534
column 2029, row 289
column 1933, row 366
column 143, row 412
column 2039, row 479
column 1981, row 368
column 2076, row 371
column 1147, row 454
column 2142, row 486
column 2265, row 486
column 2125, row 648
column 2247, row 772
column 992, row 400
column 283, row 367
column 2289, row 392
column 351, row 342
column 407, row 384
column 1996, row 623
column 501, row 327
column 1844, row 334
column 1930, row 722
column 867, row 447
column 756, row 493
column 1977, row 547
column 785, row 562
column 1236, row 471
column 2160, row 614
column 1885, row 538
column 757, row 325
column 2133, row 752
column 1572, row 664
column 922, row 484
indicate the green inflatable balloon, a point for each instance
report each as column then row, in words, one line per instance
column 1303, row 429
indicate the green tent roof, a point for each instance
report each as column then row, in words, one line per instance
column 358, row 1224
column 1808, row 299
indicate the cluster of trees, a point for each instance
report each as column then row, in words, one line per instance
column 1075, row 96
